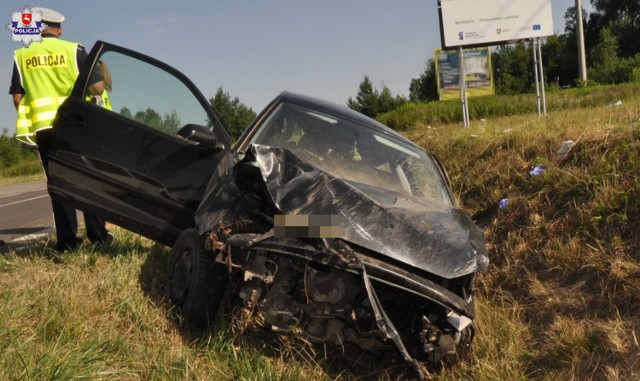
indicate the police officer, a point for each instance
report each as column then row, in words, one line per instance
column 103, row 100
column 44, row 74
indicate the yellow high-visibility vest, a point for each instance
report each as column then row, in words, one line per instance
column 48, row 71
column 100, row 100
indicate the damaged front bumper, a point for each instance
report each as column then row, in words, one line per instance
column 241, row 250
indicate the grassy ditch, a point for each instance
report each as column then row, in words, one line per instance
column 560, row 300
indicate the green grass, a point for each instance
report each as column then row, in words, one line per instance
column 99, row 315
column 18, row 161
column 565, row 251
column 421, row 115
column 560, row 300
column 29, row 170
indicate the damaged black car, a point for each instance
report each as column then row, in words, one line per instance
column 318, row 219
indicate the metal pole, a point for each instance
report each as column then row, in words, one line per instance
column 540, row 67
column 582, row 61
column 535, row 73
column 463, row 87
column 466, row 99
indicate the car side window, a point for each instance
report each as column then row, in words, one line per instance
column 143, row 92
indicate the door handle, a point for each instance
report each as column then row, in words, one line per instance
column 76, row 121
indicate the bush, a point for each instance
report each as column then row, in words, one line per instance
column 13, row 152
column 493, row 106
column 17, row 159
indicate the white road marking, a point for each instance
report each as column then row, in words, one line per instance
column 25, row 200
column 34, row 236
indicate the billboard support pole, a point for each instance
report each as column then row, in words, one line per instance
column 535, row 72
column 540, row 67
column 463, row 87
column 539, row 77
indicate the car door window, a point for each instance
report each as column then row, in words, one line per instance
column 148, row 94
column 126, row 163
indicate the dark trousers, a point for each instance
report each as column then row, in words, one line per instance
column 64, row 215
column 66, row 222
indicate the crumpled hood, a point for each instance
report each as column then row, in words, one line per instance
column 431, row 236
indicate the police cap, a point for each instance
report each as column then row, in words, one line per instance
column 49, row 16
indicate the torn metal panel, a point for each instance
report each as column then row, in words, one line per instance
column 428, row 235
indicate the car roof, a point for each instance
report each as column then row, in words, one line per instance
column 342, row 111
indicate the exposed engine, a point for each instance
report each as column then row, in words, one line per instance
column 327, row 300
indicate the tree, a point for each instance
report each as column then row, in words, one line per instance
column 513, row 69
column 126, row 112
column 612, row 50
column 13, row 151
column 149, row 117
column 560, row 59
column 370, row 102
column 569, row 73
column 425, row 88
column 234, row 115
column 366, row 101
column 608, row 68
column 387, row 102
column 623, row 18
column 169, row 124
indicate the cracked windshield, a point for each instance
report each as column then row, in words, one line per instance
column 368, row 160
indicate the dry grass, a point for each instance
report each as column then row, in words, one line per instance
column 560, row 300
column 565, row 250
column 99, row 315
column 22, row 179
column 30, row 169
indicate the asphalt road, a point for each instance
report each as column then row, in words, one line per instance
column 25, row 214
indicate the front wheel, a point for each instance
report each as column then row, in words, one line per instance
column 195, row 283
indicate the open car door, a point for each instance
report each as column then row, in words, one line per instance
column 144, row 161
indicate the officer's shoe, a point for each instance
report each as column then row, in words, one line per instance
column 105, row 238
column 70, row 245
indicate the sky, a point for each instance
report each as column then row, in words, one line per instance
column 255, row 49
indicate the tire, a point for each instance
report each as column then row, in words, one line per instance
column 195, row 283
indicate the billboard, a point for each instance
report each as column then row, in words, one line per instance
column 478, row 73
column 487, row 22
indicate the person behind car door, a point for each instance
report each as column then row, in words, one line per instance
column 44, row 74
column 103, row 99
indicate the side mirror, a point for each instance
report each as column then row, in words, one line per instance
column 201, row 136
